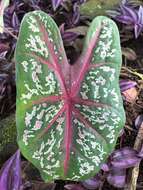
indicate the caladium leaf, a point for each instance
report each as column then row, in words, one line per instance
column 68, row 116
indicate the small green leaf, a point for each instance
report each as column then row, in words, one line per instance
column 3, row 5
column 68, row 116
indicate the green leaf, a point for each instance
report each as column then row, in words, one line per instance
column 68, row 116
column 93, row 8
column 3, row 5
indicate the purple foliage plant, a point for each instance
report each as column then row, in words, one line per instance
column 126, row 84
column 10, row 174
column 129, row 15
column 56, row 4
column 114, row 171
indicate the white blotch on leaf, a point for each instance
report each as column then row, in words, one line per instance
column 25, row 65
column 33, row 26
column 35, row 44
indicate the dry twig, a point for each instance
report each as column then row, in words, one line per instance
column 135, row 171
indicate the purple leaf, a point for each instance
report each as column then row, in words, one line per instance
column 124, row 19
column 69, row 36
column 127, row 84
column 76, row 14
column 62, row 28
column 137, row 30
column 105, row 167
column 140, row 14
column 3, row 50
column 56, row 3
column 130, row 12
column 78, row 1
column 117, row 177
column 92, row 183
column 131, row 16
column 10, row 174
column 74, row 187
column 3, row 47
column 15, row 21
column 124, row 158
column 141, row 153
column 73, row 18
column 139, row 121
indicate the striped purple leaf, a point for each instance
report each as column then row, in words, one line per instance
column 126, row 84
column 56, row 3
column 115, row 169
column 124, row 158
column 139, row 121
column 117, row 177
column 130, row 16
column 92, row 183
column 10, row 174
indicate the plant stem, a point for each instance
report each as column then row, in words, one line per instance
column 135, row 171
column 7, row 30
column 10, row 33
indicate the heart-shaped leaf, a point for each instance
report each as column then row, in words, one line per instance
column 68, row 116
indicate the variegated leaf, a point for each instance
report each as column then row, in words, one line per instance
column 68, row 117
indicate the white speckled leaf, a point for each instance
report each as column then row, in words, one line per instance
column 68, row 117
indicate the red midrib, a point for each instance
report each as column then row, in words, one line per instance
column 58, row 72
column 68, row 137
column 86, row 63
column 70, row 111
